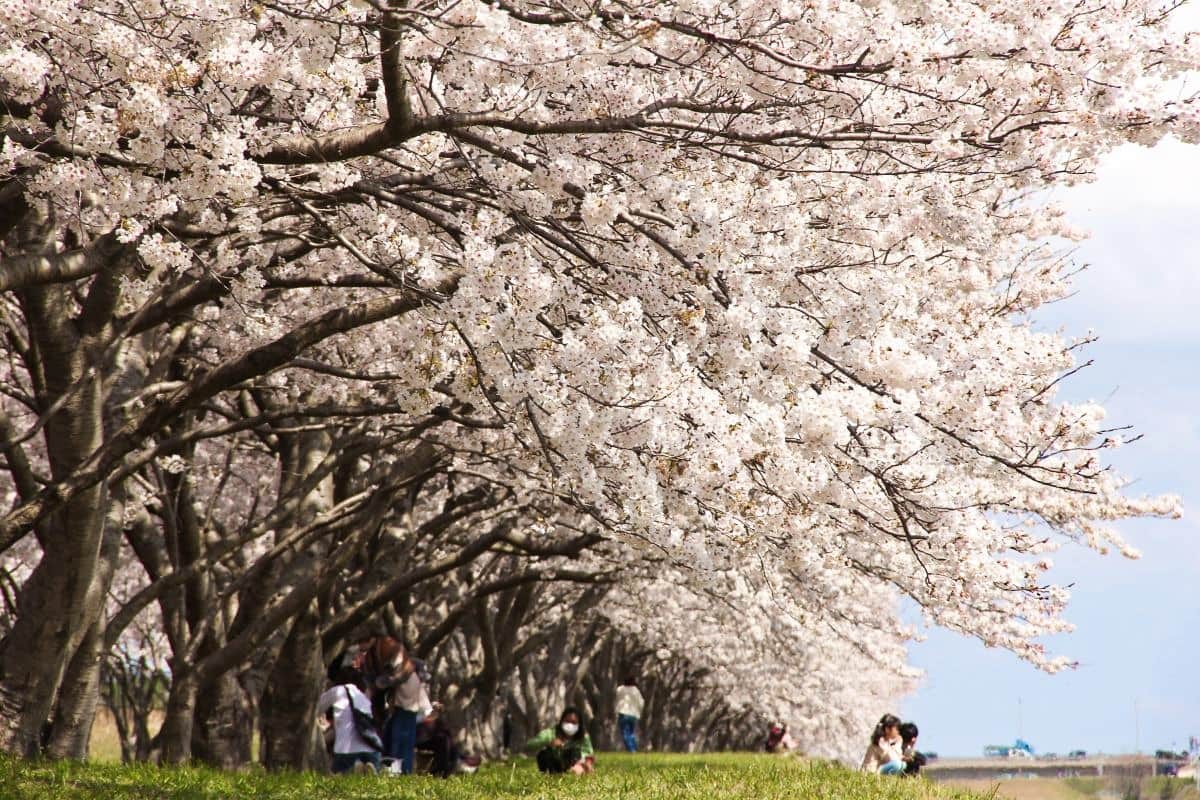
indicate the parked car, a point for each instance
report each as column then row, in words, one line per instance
column 930, row 755
column 1077, row 754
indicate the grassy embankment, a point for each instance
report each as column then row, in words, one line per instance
column 1085, row 788
column 620, row 777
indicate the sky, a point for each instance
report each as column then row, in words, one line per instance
column 1137, row 686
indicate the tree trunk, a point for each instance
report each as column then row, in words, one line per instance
column 72, row 725
column 289, row 703
column 56, row 611
column 58, row 606
column 176, row 733
column 224, row 724
column 80, row 693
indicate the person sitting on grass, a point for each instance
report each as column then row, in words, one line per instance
column 566, row 747
column 350, row 749
column 885, row 754
column 779, row 740
column 436, row 737
column 913, row 760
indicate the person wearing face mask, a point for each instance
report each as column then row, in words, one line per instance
column 566, row 747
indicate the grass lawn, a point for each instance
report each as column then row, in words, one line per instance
column 723, row 776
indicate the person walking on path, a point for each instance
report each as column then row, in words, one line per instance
column 629, row 711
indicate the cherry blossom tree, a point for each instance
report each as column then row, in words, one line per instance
column 723, row 283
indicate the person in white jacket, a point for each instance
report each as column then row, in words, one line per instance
column 349, row 747
column 885, row 755
column 629, row 711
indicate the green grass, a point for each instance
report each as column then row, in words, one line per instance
column 722, row 776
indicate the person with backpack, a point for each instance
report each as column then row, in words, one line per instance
column 356, row 742
column 629, row 711
column 566, row 747
column 402, row 680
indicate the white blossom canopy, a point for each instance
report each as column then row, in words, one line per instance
column 738, row 283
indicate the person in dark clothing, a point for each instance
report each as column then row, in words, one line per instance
column 913, row 760
column 435, row 736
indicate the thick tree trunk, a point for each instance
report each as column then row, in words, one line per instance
column 224, row 724
column 176, row 734
column 58, row 604
column 79, row 696
column 290, row 700
column 72, row 725
column 55, row 612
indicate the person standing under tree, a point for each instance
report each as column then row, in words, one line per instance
column 403, row 679
column 629, row 711
column 779, row 740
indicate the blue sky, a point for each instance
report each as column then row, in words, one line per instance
column 1138, row 622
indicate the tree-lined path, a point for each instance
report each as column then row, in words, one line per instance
column 561, row 338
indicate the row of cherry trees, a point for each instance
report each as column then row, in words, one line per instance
column 551, row 334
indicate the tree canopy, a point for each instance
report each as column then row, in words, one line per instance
column 698, row 328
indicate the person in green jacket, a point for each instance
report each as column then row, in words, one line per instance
column 566, row 747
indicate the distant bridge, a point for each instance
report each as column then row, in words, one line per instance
column 944, row 769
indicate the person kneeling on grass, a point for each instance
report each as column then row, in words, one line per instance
column 779, row 740
column 566, row 747
column 435, row 736
column 885, row 754
column 913, row 759
column 356, row 744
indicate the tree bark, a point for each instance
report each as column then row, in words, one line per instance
column 289, row 703
column 57, row 605
column 79, row 696
column 224, row 724
column 288, row 708
column 72, row 725
column 176, row 733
